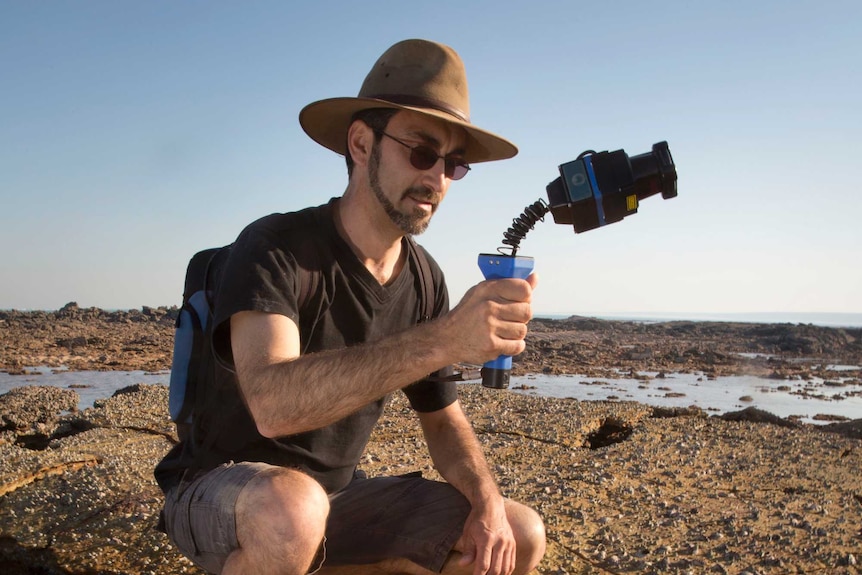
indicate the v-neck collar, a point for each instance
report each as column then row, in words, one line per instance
column 351, row 263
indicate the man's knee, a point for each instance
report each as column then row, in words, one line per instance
column 529, row 531
column 286, row 504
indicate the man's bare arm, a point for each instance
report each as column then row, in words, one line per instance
column 289, row 394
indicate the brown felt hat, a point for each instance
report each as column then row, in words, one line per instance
column 417, row 75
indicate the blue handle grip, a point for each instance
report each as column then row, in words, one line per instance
column 496, row 266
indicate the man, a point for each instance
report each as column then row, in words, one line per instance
column 268, row 484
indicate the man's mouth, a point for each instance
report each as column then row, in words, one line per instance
column 424, row 200
column 425, row 204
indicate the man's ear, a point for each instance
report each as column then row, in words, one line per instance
column 360, row 141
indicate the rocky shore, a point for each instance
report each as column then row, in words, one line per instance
column 87, row 338
column 623, row 487
column 95, row 339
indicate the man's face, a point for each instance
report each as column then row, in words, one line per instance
column 410, row 196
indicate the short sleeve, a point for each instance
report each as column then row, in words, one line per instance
column 431, row 394
column 257, row 276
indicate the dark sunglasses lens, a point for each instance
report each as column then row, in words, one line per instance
column 423, row 158
column 455, row 170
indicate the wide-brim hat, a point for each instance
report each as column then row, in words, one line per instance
column 416, row 75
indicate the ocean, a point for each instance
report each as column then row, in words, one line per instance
column 825, row 319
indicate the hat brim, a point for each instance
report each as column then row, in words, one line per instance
column 326, row 122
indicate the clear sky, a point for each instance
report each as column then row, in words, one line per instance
column 133, row 134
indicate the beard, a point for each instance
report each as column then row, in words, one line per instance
column 413, row 223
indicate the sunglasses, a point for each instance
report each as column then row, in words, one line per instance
column 424, row 158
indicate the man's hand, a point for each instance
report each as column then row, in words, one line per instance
column 488, row 542
column 491, row 319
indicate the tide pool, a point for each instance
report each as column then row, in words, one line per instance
column 804, row 399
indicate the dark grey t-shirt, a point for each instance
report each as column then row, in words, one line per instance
column 348, row 307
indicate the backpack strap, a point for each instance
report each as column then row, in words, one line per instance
column 423, row 268
column 426, row 304
column 308, row 284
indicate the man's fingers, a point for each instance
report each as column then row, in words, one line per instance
column 494, row 559
column 483, row 562
column 491, row 319
column 519, row 312
column 512, row 290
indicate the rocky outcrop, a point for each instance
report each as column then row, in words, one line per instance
column 599, row 348
column 87, row 338
column 91, row 338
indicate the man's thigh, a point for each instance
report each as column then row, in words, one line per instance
column 200, row 516
column 370, row 520
column 386, row 517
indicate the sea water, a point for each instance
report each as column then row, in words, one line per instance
column 89, row 385
column 823, row 319
column 803, row 399
column 837, row 396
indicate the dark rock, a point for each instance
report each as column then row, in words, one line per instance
column 829, row 417
column 691, row 411
column 851, row 429
column 756, row 415
column 134, row 388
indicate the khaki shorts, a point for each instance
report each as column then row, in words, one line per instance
column 369, row 520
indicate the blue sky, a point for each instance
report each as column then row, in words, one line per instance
column 133, row 134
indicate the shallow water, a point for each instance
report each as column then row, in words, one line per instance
column 803, row 399
column 783, row 398
column 89, row 385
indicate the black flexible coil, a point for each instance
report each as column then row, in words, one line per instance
column 523, row 224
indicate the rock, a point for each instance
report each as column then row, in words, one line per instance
column 829, row 417
column 755, row 415
column 851, row 429
column 691, row 411
column 35, row 408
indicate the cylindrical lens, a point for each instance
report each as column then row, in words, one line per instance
column 654, row 172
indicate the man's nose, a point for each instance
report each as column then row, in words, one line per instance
column 437, row 175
